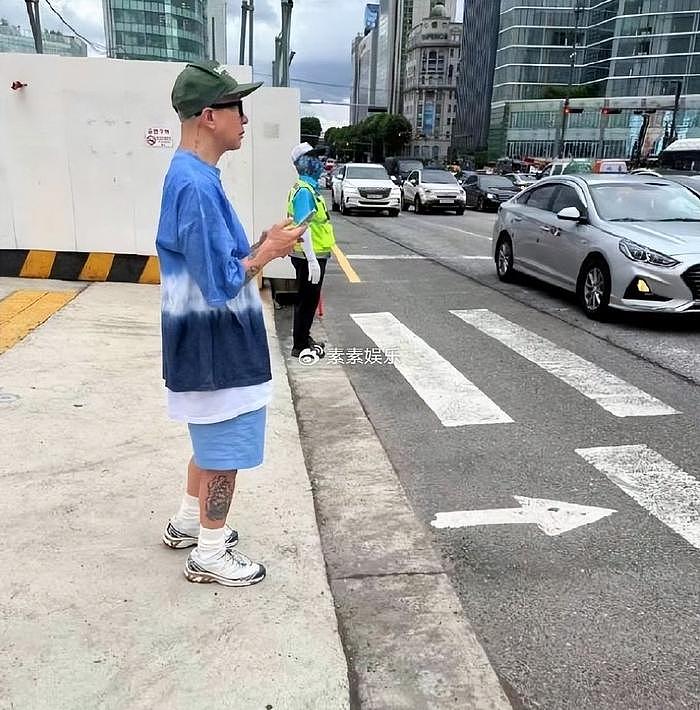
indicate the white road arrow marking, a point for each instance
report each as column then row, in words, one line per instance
column 552, row 517
column 667, row 492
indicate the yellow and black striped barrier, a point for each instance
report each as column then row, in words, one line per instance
column 79, row 266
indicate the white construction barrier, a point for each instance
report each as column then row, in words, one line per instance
column 85, row 145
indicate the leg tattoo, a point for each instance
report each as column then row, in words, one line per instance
column 220, row 492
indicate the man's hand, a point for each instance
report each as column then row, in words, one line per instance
column 314, row 272
column 278, row 240
column 281, row 240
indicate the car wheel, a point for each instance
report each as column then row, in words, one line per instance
column 334, row 204
column 404, row 205
column 394, row 213
column 460, row 211
column 593, row 288
column 480, row 204
column 504, row 258
column 343, row 209
column 418, row 205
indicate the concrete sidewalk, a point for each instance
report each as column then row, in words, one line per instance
column 94, row 611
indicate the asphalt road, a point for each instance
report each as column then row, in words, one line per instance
column 603, row 616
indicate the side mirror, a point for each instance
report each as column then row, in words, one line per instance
column 393, row 178
column 571, row 214
column 414, row 182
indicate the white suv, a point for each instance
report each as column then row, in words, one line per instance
column 365, row 186
column 433, row 189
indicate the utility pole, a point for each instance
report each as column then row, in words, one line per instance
column 572, row 65
column 247, row 10
column 672, row 136
column 283, row 57
column 35, row 24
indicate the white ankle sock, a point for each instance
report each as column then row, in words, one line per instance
column 188, row 515
column 211, row 542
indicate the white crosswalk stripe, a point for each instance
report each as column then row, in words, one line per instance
column 455, row 400
column 667, row 492
column 609, row 391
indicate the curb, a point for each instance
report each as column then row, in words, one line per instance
column 407, row 641
column 79, row 266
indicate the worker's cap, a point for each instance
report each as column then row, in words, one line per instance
column 206, row 84
column 305, row 149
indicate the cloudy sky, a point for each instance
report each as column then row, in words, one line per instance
column 322, row 33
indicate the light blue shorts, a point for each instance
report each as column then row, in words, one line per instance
column 233, row 444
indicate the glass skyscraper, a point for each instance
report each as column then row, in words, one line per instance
column 618, row 47
column 160, row 30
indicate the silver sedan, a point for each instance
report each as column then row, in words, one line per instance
column 628, row 242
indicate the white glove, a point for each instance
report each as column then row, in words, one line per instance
column 314, row 272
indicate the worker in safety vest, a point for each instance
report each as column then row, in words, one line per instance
column 305, row 204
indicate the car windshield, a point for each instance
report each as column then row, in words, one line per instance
column 494, row 182
column 645, row 202
column 441, row 177
column 367, row 172
column 406, row 166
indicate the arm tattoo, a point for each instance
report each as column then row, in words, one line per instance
column 219, row 494
column 251, row 272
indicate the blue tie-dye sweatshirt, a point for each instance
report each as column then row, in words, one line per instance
column 212, row 322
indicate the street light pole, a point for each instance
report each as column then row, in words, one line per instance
column 672, row 137
column 572, row 65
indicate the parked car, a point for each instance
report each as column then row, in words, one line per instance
column 567, row 166
column 488, row 191
column 400, row 168
column 609, row 165
column 432, row 189
column 521, row 180
column 364, row 186
column 624, row 241
column 328, row 177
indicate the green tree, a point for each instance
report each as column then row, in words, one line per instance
column 310, row 130
column 378, row 135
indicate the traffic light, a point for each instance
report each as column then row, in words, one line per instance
column 572, row 109
column 609, row 110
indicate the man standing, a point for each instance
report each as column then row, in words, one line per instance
column 306, row 204
column 216, row 362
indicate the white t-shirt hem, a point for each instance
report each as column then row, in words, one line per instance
column 218, row 405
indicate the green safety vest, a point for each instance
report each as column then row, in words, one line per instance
column 322, row 237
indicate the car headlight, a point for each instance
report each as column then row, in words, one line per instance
column 395, row 192
column 350, row 190
column 490, row 196
column 636, row 252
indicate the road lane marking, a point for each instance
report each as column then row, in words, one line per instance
column 382, row 257
column 455, row 400
column 22, row 311
column 454, row 229
column 345, row 265
column 667, row 492
column 552, row 517
column 609, row 391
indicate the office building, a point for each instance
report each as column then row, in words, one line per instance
column 216, row 30
column 162, row 30
column 21, row 41
column 475, row 76
column 627, row 55
column 430, row 83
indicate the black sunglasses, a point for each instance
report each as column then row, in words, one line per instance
column 231, row 104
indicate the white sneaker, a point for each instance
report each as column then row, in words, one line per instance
column 231, row 568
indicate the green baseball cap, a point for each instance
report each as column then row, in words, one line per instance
column 206, row 84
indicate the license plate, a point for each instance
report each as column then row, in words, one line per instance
column 446, row 202
column 374, row 196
